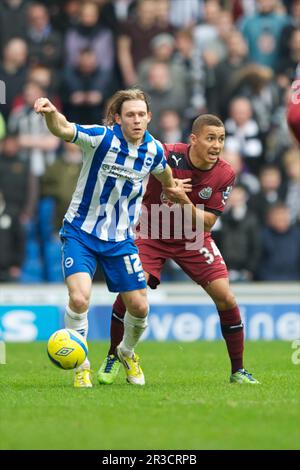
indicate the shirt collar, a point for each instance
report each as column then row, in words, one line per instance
column 118, row 131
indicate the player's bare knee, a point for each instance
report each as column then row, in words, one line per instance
column 139, row 308
column 228, row 301
column 79, row 301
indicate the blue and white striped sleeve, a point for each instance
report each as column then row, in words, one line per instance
column 88, row 137
column 160, row 161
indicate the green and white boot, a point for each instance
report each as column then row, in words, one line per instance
column 109, row 370
column 241, row 376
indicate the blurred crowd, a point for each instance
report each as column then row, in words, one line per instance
column 233, row 58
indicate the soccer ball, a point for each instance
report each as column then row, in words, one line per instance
column 67, row 349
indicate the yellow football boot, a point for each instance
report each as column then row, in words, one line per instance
column 82, row 378
column 134, row 373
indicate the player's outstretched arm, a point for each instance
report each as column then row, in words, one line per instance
column 56, row 122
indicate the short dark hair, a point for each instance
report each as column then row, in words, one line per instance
column 206, row 120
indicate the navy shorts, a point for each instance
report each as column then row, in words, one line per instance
column 120, row 261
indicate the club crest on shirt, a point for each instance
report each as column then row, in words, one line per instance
column 148, row 161
column 205, row 193
column 69, row 262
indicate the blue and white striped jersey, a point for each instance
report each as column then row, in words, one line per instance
column 108, row 196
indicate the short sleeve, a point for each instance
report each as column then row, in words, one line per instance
column 218, row 201
column 160, row 161
column 88, row 137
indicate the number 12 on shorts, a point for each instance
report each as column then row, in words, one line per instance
column 133, row 263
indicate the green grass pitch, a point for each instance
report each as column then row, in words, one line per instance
column 187, row 402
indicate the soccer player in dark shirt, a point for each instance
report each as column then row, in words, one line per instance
column 212, row 179
column 293, row 111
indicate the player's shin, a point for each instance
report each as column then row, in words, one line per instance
column 233, row 333
column 133, row 330
column 117, row 324
column 134, row 327
column 78, row 322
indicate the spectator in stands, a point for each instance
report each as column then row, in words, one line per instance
column 242, row 177
column 46, row 79
column 44, row 44
column 280, row 259
column 113, row 14
column 89, row 34
column 162, row 14
column 17, row 184
column 12, row 244
column 279, row 138
column 237, row 58
column 13, row 14
column 186, row 54
column 135, row 38
column 243, row 135
column 13, row 71
column 36, row 144
column 262, row 32
column 271, row 192
column 242, row 8
column 67, row 16
column 291, row 162
column 256, row 82
column 240, row 237
column 163, row 94
column 287, row 64
column 162, row 49
column 59, row 180
column 170, row 127
column 86, row 87
column 207, row 30
column 185, row 14
column 293, row 23
column 213, row 52
column 163, row 46
column 225, row 27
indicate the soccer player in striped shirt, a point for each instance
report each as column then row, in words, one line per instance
column 105, row 205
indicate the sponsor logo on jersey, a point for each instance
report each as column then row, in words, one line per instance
column 176, row 160
column 118, row 171
column 205, row 193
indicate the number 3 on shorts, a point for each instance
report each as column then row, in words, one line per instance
column 133, row 263
column 209, row 257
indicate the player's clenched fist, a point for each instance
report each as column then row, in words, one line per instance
column 44, row 105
